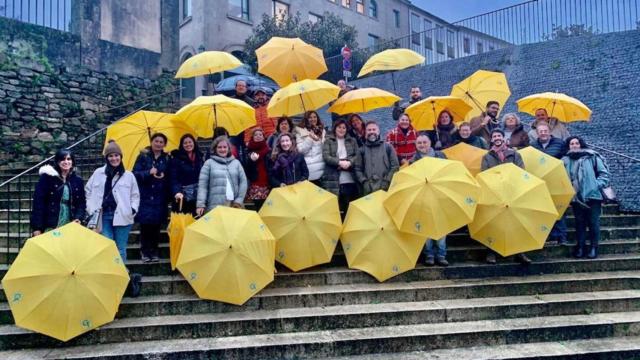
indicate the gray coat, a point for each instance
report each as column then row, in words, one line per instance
column 331, row 177
column 491, row 159
column 375, row 165
column 212, row 184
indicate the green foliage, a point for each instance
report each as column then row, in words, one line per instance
column 330, row 34
column 555, row 65
column 559, row 32
column 71, row 109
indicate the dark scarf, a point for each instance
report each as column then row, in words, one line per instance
column 259, row 147
column 575, row 155
column 316, row 129
column 500, row 151
column 444, row 135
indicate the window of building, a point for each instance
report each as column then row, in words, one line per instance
column 186, row 9
column 491, row 48
column 188, row 85
column 239, row 9
column 439, row 39
column 415, row 29
column 428, row 34
column 373, row 40
column 280, row 10
column 314, row 18
column 466, row 45
column 346, row 3
column 450, row 44
column 396, row 18
column 479, row 48
column 360, row 6
column 373, row 9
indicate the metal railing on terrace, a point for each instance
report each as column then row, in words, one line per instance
column 55, row 14
column 529, row 22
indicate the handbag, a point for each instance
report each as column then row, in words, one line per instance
column 94, row 221
column 190, row 192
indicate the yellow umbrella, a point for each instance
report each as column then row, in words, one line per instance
column 372, row 242
column 205, row 113
column 286, row 60
column 301, row 96
column 561, row 106
column 363, row 100
column 305, row 220
column 554, row 174
column 424, row 113
column 227, row 255
column 481, row 87
column 515, row 211
column 134, row 132
column 206, row 63
column 432, row 197
column 177, row 224
column 391, row 59
column 470, row 156
column 66, row 282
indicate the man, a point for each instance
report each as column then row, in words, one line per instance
column 376, row 161
column 238, row 140
column 558, row 129
column 423, row 150
column 263, row 120
column 547, row 143
column 483, row 124
column 403, row 139
column 464, row 135
column 499, row 154
column 415, row 95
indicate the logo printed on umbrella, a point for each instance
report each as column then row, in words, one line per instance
column 368, row 197
column 86, row 323
column 320, row 190
column 207, row 218
column 16, row 297
column 542, row 160
column 195, row 65
column 56, row 233
column 193, row 276
column 469, row 200
column 281, row 254
column 526, row 176
column 490, row 240
column 544, row 228
column 418, row 226
column 117, row 259
column 395, row 268
column 253, row 286
column 301, row 88
column 347, row 247
column 262, row 227
column 269, row 203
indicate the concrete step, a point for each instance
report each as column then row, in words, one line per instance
column 361, row 341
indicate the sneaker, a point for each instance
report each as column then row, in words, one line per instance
column 145, row 259
column 563, row 242
column 429, row 261
column 523, row 259
column 491, row 258
column 154, row 258
column 442, row 262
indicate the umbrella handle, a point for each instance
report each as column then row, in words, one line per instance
column 180, row 205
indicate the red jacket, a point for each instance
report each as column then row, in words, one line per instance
column 263, row 121
column 404, row 145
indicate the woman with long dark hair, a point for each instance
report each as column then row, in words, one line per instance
column 309, row 139
column 444, row 135
column 257, row 173
column 339, row 152
column 356, row 129
column 287, row 165
column 284, row 125
column 184, row 171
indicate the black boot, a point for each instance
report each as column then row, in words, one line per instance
column 523, row 259
column 579, row 252
column 593, row 253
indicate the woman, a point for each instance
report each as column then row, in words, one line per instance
column 339, row 153
column 221, row 131
column 257, row 168
column 514, row 133
column 309, row 140
column 464, row 136
column 286, row 166
column 589, row 175
column 284, row 125
column 184, row 171
column 113, row 196
column 444, row 135
column 59, row 196
column 356, row 129
column 403, row 139
column 222, row 180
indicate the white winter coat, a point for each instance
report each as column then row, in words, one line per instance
column 312, row 152
column 125, row 193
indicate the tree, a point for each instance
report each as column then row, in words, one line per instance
column 569, row 31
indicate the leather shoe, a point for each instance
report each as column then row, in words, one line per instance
column 523, row 259
column 442, row 262
column 593, row 253
column 429, row 261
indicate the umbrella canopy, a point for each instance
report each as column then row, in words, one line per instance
column 363, row 100
column 553, row 173
column 287, row 60
column 177, row 225
column 392, row 59
column 206, row 63
column 133, row 133
column 481, row 87
column 66, row 282
column 205, row 113
column 305, row 220
column 561, row 106
column 372, row 242
column 301, row 96
column 227, row 255
column 228, row 85
column 432, row 197
column 470, row 156
column 424, row 113
column 515, row 212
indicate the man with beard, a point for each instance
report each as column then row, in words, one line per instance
column 556, row 128
column 415, row 95
column 263, row 121
column 486, row 122
column 499, row 154
column 238, row 140
column 376, row 161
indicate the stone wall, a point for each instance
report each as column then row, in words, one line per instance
column 603, row 71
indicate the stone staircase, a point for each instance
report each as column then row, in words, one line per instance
column 556, row 308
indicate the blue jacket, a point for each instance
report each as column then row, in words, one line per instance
column 182, row 171
column 555, row 147
column 46, row 199
column 588, row 172
column 154, row 192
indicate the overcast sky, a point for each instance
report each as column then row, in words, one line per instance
column 454, row 10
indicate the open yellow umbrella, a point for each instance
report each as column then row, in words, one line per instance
column 391, row 59
column 227, row 255
column 301, row 96
column 205, row 113
column 286, row 60
column 424, row 113
column 206, row 63
column 363, row 100
column 515, row 212
column 470, row 156
column 481, row 87
column 133, row 133
column 432, row 197
column 178, row 222
column 558, row 105
column 66, row 282
column 305, row 219
column 554, row 174
column 372, row 242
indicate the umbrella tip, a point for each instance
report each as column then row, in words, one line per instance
column 73, row 272
column 230, row 246
column 304, row 218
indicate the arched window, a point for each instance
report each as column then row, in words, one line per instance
column 373, row 9
column 188, row 85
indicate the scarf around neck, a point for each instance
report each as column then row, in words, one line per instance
column 500, row 150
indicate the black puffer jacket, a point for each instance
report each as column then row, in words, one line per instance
column 46, row 198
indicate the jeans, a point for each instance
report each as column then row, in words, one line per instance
column 559, row 230
column 119, row 234
column 441, row 244
column 588, row 217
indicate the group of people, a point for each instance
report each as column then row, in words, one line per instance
column 349, row 159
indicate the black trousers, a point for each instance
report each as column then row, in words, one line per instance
column 149, row 238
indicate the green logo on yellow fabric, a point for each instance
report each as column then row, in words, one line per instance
column 395, row 268
column 16, row 297
column 418, row 226
column 56, row 233
column 347, row 247
column 117, row 260
column 86, row 323
column 490, row 240
column 542, row 160
column 469, row 200
column 544, row 228
column 207, row 218
column 526, row 176
column 193, row 276
column 262, row 227
column 269, row 203
column 281, row 255
column 368, row 197
column 253, row 286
